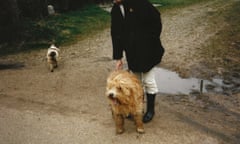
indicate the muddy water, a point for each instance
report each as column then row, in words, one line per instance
column 171, row 83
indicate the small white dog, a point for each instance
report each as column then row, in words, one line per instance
column 52, row 57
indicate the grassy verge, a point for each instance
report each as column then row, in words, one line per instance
column 61, row 29
column 223, row 50
column 175, row 3
column 71, row 26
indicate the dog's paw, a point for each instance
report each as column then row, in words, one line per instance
column 140, row 130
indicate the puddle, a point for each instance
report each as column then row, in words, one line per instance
column 171, row 83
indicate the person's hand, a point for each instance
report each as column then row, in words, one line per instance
column 119, row 64
column 117, row 1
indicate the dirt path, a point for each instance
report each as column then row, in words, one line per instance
column 68, row 106
column 187, row 31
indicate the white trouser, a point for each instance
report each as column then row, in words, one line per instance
column 148, row 81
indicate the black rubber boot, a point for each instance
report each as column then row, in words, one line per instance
column 150, row 108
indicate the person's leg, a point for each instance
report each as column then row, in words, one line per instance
column 151, row 89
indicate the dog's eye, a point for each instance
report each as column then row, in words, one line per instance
column 119, row 88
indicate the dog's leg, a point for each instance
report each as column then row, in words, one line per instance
column 51, row 67
column 119, row 121
column 55, row 64
column 139, row 123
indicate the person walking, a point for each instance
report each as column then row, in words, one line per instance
column 135, row 29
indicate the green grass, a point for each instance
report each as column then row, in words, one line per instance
column 61, row 29
column 69, row 27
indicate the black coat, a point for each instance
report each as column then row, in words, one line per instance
column 138, row 34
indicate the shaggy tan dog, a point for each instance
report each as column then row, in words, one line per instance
column 52, row 57
column 125, row 95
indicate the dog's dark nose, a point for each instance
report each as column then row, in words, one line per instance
column 111, row 95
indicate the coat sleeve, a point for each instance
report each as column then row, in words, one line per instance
column 116, row 33
column 153, row 18
column 156, row 22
